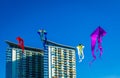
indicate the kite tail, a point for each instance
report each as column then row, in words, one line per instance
column 81, row 57
column 94, row 58
column 22, row 49
column 45, row 38
column 80, row 60
column 90, row 63
column 45, row 41
column 101, row 51
column 93, row 47
column 22, row 45
column 93, row 43
column 100, row 46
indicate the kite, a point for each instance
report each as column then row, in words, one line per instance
column 97, row 36
column 43, row 36
column 20, row 43
column 80, row 48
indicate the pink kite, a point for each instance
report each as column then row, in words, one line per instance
column 97, row 36
column 20, row 43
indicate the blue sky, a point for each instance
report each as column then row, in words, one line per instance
column 68, row 22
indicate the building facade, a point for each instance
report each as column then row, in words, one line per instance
column 60, row 61
column 24, row 65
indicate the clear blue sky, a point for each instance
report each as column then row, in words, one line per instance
column 68, row 22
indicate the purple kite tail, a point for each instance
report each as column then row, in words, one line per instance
column 100, row 48
column 100, row 44
column 93, row 43
column 90, row 63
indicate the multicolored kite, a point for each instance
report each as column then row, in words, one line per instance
column 43, row 36
column 20, row 43
column 97, row 36
column 80, row 48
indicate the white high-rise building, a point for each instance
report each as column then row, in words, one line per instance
column 59, row 60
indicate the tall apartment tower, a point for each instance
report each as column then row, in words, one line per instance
column 23, row 65
column 59, row 61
